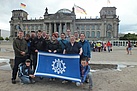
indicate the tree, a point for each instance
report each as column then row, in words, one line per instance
column 7, row 38
column 129, row 37
column 1, row 38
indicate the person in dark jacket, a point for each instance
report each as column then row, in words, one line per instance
column 37, row 45
column 73, row 47
column 85, row 47
column 54, row 45
column 63, row 42
column 26, row 73
column 27, row 38
column 32, row 35
column 20, row 50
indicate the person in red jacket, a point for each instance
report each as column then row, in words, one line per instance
column 108, row 46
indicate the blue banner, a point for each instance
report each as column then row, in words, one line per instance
column 58, row 66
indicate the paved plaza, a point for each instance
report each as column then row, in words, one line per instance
column 117, row 56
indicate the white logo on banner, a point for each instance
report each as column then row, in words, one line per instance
column 58, row 66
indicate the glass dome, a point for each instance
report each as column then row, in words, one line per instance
column 64, row 11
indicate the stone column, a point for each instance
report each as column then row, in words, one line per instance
column 71, row 27
column 46, row 27
column 12, row 30
column 115, row 30
column 50, row 29
column 65, row 27
column 55, row 27
column 60, row 28
column 105, row 32
column 0, row 32
column 74, row 27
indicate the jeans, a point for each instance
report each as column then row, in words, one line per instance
column 17, row 61
column 25, row 80
column 89, row 76
column 108, row 48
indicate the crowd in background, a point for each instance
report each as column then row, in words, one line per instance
column 100, row 46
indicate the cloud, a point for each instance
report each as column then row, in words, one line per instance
column 128, row 28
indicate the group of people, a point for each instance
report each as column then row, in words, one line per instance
column 100, row 46
column 26, row 49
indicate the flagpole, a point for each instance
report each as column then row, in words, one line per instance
column 107, row 3
column 20, row 6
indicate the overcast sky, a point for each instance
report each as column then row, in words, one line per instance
column 126, row 10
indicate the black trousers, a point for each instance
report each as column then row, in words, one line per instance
column 34, row 60
column 17, row 61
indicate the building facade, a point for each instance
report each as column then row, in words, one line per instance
column 104, row 28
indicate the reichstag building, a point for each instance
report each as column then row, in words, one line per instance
column 105, row 27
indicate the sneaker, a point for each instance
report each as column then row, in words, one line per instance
column 64, row 81
column 22, row 83
column 90, row 88
column 87, row 81
column 50, row 79
column 33, row 81
column 13, row 81
column 41, row 78
column 53, row 79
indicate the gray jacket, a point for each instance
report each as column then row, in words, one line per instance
column 18, row 46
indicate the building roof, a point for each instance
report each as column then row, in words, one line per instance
column 19, row 11
column 66, row 11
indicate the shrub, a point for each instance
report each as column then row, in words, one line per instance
column 7, row 38
column 1, row 38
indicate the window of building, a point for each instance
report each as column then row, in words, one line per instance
column 77, row 27
column 47, row 26
column 112, row 12
column 87, row 27
column 87, row 34
column 109, row 12
column 24, row 27
column 82, row 27
column 93, row 34
column 98, row 27
column 108, row 34
column 98, row 34
column 83, row 32
column 109, row 27
column 93, row 27
column 28, row 27
column 41, row 26
column 32, row 27
column 28, row 32
column 36, row 27
column 15, row 34
column 24, row 32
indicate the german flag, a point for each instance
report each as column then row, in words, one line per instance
column 79, row 10
column 23, row 5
